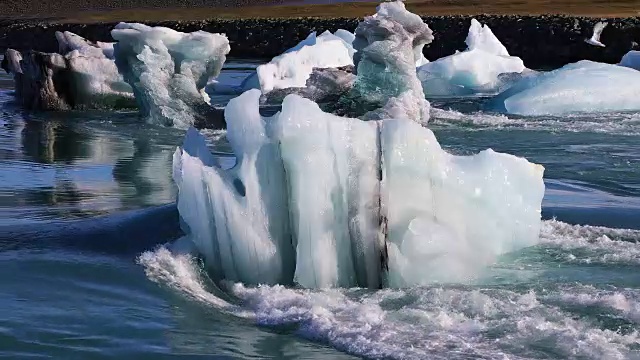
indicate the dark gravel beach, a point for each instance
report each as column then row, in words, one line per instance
column 541, row 41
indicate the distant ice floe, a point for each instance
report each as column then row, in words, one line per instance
column 475, row 70
column 168, row 71
column 82, row 75
column 631, row 60
column 585, row 86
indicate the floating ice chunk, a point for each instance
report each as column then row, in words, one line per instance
column 388, row 45
column 327, row 201
column 324, row 86
column 475, row 70
column 95, row 79
column 584, row 86
column 168, row 70
column 238, row 219
column 293, row 68
column 82, row 75
column 631, row 60
column 449, row 216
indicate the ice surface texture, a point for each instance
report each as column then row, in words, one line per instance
column 475, row 70
column 584, row 86
column 168, row 70
column 631, row 60
column 327, row 201
column 388, row 45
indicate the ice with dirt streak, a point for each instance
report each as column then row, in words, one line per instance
column 168, row 70
column 326, row 201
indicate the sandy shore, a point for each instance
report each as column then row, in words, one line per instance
column 92, row 11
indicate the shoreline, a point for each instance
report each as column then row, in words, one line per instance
column 541, row 41
column 98, row 11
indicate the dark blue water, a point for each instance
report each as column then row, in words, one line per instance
column 86, row 201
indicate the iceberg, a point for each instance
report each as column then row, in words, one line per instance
column 82, row 75
column 631, row 60
column 95, row 78
column 323, row 201
column 293, row 68
column 315, row 63
column 584, row 86
column 388, row 45
column 168, row 71
column 475, row 70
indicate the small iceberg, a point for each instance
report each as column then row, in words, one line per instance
column 82, row 75
column 475, row 70
column 585, row 86
column 168, row 71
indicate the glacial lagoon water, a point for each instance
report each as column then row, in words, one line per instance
column 85, row 211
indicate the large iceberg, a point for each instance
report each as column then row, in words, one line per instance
column 475, row 70
column 388, row 45
column 584, row 86
column 325, row 201
column 168, row 71
column 631, row 60
column 82, row 75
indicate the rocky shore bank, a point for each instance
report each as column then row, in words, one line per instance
column 541, row 41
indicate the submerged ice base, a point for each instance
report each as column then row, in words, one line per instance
column 475, row 70
column 584, row 86
column 326, row 201
column 168, row 70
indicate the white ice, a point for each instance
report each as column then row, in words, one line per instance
column 169, row 69
column 475, row 70
column 327, row 201
column 94, row 75
column 631, row 60
column 293, row 68
column 584, row 86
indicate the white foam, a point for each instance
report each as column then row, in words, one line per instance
column 180, row 272
column 592, row 244
column 424, row 322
